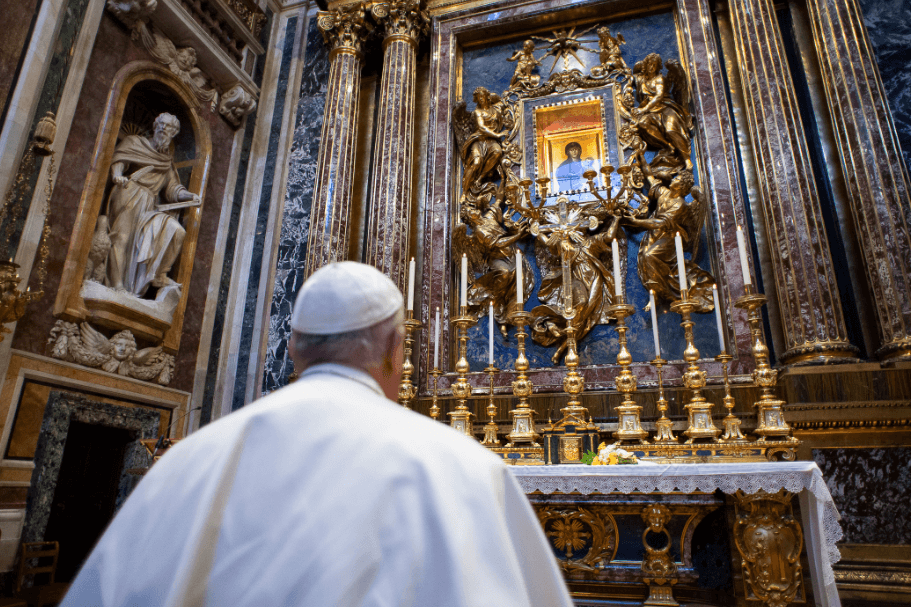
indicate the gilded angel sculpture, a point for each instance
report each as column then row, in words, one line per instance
column 479, row 135
column 525, row 65
column 491, row 249
column 657, row 254
column 662, row 118
column 609, row 53
column 84, row 345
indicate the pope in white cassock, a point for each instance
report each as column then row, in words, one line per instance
column 327, row 493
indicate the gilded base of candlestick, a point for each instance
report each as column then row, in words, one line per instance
column 460, row 418
column 407, row 389
column 490, row 428
column 730, row 423
column 699, row 411
column 523, row 423
column 665, row 427
column 629, row 426
column 435, row 403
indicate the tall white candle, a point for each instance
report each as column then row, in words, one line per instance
column 463, row 300
column 618, row 286
column 519, row 280
column 411, row 284
column 490, row 333
column 651, row 305
column 681, row 267
column 718, row 318
column 436, row 342
column 742, row 249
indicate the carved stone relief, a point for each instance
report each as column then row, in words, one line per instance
column 181, row 61
column 83, row 345
column 235, row 104
column 132, row 12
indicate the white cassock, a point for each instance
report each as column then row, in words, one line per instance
column 327, row 494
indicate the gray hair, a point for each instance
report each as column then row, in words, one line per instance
column 361, row 348
column 166, row 118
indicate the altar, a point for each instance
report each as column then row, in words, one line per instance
column 615, row 528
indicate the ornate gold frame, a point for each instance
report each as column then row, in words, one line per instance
column 70, row 304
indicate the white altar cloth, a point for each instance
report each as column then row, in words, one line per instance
column 820, row 517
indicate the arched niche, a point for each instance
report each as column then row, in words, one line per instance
column 141, row 90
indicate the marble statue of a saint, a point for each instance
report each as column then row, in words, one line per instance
column 145, row 237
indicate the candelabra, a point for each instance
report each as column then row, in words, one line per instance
column 435, row 403
column 407, row 389
column 698, row 409
column 490, row 429
column 461, row 389
column 664, row 425
column 523, row 426
column 629, row 427
column 768, row 408
column 573, row 383
column 731, row 424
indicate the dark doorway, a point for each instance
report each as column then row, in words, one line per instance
column 86, row 492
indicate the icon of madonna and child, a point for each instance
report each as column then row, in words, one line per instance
column 569, row 172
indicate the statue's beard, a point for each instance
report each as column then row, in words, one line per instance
column 161, row 143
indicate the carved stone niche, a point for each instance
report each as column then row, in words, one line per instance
column 151, row 301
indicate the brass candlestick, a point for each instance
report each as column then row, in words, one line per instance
column 435, row 403
column 629, row 426
column 664, row 425
column 768, row 408
column 490, row 429
column 698, row 409
column 407, row 389
column 461, row 389
column 574, row 382
column 523, row 423
column 731, row 424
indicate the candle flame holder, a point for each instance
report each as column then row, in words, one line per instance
column 730, row 423
column 771, row 423
column 699, row 410
column 523, row 423
column 407, row 389
column 664, row 425
column 629, row 427
column 460, row 418
column 490, row 429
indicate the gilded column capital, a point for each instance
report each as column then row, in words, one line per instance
column 402, row 20
column 344, row 29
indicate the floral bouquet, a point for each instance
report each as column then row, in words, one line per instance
column 609, row 456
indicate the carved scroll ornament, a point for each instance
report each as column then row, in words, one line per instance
column 344, row 29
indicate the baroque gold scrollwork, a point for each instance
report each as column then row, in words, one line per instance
column 573, row 530
column 344, row 29
column 658, row 568
column 769, row 540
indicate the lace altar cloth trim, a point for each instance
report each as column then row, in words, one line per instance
column 657, row 478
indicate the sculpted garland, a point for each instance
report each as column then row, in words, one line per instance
column 573, row 238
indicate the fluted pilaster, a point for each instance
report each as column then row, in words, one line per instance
column 389, row 219
column 874, row 170
column 344, row 30
column 811, row 313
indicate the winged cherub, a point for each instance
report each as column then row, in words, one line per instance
column 84, row 345
column 479, row 134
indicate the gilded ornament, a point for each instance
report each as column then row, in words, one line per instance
column 402, row 19
column 344, row 29
column 659, row 571
column 572, row 530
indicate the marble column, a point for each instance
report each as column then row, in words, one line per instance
column 872, row 162
column 389, row 218
column 812, row 319
column 344, row 30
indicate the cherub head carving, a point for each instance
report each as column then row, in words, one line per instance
column 123, row 346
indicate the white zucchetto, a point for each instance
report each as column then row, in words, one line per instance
column 344, row 296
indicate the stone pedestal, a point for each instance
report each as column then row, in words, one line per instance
column 874, row 170
column 811, row 314
column 344, row 30
column 389, row 218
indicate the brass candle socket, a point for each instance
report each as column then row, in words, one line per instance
column 435, row 403
column 460, row 418
column 730, row 423
column 523, row 423
column 490, row 428
column 699, row 411
column 629, row 426
column 769, row 415
column 664, row 425
column 407, row 389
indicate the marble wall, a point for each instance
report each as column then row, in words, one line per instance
column 17, row 28
column 870, row 487
column 889, row 25
column 292, row 250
